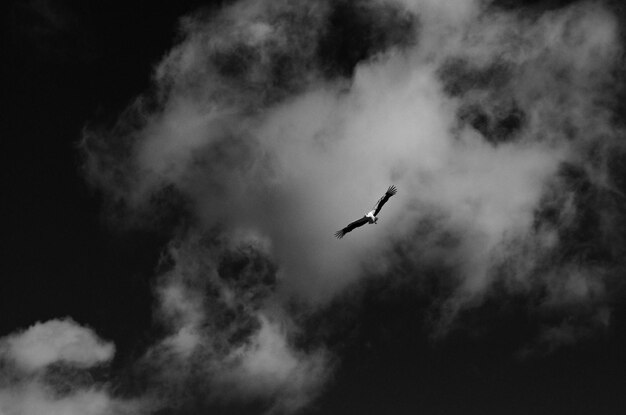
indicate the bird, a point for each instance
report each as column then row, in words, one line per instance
column 371, row 216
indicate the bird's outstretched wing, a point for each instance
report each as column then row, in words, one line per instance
column 390, row 192
column 360, row 222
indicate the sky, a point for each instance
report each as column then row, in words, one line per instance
column 175, row 175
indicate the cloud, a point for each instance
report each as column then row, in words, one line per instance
column 35, row 399
column 223, row 321
column 268, row 366
column 55, row 341
column 260, row 139
column 45, row 371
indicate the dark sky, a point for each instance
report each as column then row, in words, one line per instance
column 63, row 72
column 72, row 67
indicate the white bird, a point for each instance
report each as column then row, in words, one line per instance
column 371, row 216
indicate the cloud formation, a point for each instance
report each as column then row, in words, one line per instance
column 267, row 130
column 46, row 371
column 55, row 341
column 227, row 332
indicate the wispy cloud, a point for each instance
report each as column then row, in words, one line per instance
column 496, row 126
column 218, row 302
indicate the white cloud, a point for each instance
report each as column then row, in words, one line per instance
column 297, row 170
column 34, row 399
column 183, row 311
column 228, row 330
column 27, row 388
column 55, row 341
column 473, row 118
column 268, row 366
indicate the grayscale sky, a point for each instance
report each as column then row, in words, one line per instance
column 175, row 175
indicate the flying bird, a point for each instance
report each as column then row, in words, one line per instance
column 371, row 216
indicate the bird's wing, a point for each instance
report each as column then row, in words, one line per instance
column 390, row 192
column 359, row 222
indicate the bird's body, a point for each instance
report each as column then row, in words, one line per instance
column 371, row 216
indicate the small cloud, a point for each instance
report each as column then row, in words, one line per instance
column 55, row 341
column 38, row 382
